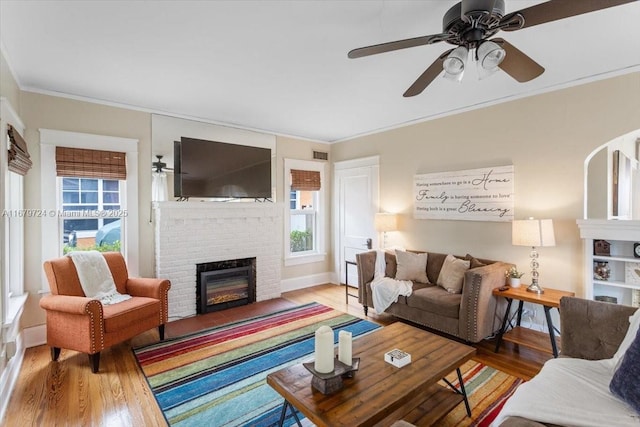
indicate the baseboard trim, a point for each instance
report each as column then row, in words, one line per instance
column 35, row 336
column 10, row 376
column 303, row 282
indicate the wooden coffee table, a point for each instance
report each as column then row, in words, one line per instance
column 380, row 392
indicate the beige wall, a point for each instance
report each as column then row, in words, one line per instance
column 49, row 112
column 546, row 137
column 8, row 86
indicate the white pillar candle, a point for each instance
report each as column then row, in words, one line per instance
column 324, row 362
column 344, row 348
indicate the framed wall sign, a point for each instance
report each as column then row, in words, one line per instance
column 472, row 195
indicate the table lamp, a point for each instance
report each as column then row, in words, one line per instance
column 385, row 222
column 534, row 233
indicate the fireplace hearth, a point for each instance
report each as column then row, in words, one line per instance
column 225, row 284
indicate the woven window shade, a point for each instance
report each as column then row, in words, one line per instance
column 19, row 158
column 305, row 180
column 84, row 163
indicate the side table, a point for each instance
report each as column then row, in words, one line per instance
column 525, row 336
column 346, row 281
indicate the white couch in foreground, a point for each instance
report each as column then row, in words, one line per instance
column 599, row 341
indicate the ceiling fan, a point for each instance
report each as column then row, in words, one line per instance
column 469, row 25
column 159, row 165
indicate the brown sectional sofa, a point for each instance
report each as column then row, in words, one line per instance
column 470, row 315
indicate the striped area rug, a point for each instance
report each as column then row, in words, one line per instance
column 217, row 377
column 487, row 390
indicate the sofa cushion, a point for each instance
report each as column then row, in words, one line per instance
column 123, row 314
column 475, row 262
column 391, row 264
column 411, row 266
column 436, row 300
column 434, row 265
column 626, row 380
column 452, row 274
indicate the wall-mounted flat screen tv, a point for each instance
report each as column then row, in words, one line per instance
column 212, row 169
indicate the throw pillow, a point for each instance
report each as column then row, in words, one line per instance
column 475, row 262
column 624, row 383
column 451, row 275
column 411, row 266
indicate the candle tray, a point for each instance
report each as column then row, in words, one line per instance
column 332, row 381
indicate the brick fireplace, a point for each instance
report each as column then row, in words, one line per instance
column 191, row 233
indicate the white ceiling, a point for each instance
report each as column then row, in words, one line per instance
column 282, row 66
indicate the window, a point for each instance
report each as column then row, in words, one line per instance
column 60, row 151
column 88, row 205
column 14, row 164
column 90, row 198
column 304, row 222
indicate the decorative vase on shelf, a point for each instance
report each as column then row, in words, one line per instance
column 601, row 270
column 514, row 282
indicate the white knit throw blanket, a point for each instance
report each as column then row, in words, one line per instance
column 386, row 290
column 95, row 277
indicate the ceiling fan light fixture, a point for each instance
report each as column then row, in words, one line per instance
column 490, row 55
column 453, row 77
column 455, row 62
column 483, row 73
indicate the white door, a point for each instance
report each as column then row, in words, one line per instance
column 356, row 203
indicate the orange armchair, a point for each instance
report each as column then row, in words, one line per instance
column 83, row 324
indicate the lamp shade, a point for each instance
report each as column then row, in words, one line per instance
column 533, row 232
column 386, row 222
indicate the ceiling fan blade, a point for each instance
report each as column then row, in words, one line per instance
column 517, row 64
column 396, row 45
column 554, row 10
column 427, row 77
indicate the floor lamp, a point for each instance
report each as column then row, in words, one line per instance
column 385, row 222
column 533, row 232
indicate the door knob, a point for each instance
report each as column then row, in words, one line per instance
column 369, row 244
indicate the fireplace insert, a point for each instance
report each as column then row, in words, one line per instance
column 225, row 284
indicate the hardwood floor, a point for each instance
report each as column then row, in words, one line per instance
column 66, row 393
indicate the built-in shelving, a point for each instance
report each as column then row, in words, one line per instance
column 621, row 235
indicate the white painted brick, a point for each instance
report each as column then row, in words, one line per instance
column 189, row 233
